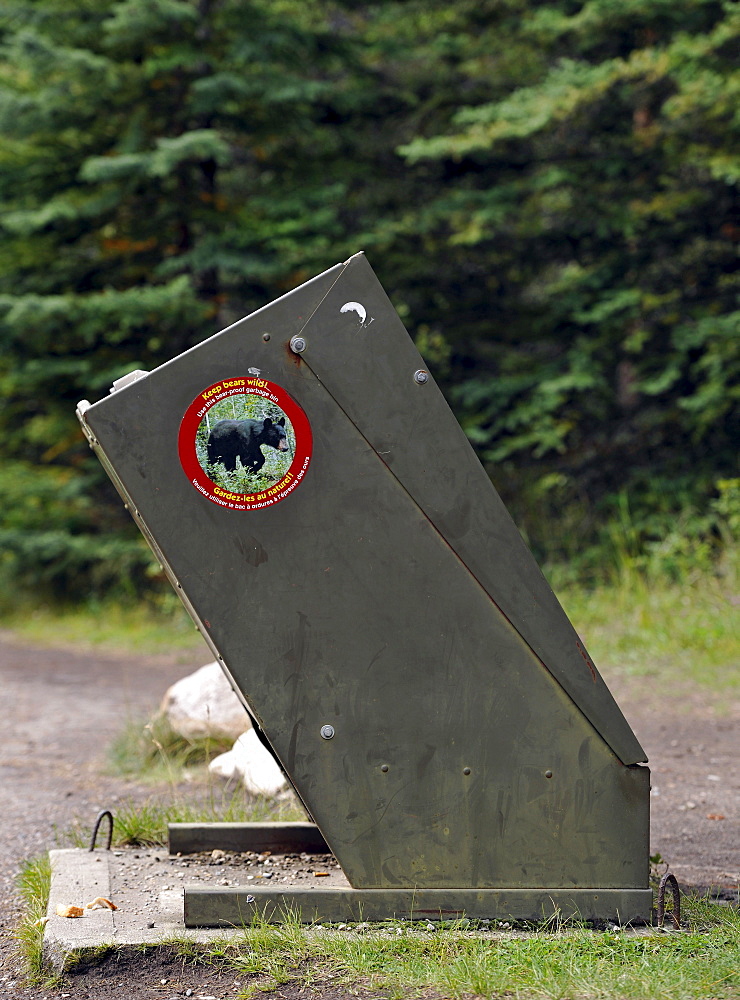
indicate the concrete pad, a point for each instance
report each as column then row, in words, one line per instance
column 150, row 907
column 147, row 886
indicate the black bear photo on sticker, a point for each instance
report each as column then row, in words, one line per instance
column 245, row 443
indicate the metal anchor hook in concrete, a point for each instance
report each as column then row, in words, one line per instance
column 101, row 816
column 669, row 879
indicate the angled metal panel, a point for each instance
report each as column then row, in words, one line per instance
column 436, row 464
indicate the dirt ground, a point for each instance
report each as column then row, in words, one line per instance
column 64, row 707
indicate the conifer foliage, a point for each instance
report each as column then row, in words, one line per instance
column 156, row 157
column 546, row 188
column 598, row 183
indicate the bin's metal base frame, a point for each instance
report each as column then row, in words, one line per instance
column 236, row 907
column 229, row 907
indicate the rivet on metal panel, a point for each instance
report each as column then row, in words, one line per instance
column 548, row 774
column 101, row 816
column 298, row 344
column 421, row 376
column 466, row 770
column 384, row 768
column 327, row 732
column 265, row 337
column 669, row 879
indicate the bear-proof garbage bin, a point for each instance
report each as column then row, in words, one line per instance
column 329, row 528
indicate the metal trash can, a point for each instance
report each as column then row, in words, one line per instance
column 329, row 528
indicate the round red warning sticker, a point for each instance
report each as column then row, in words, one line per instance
column 245, row 443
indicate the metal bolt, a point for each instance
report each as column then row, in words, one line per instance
column 327, row 732
column 548, row 774
column 265, row 337
column 466, row 770
column 421, row 376
column 298, row 344
column 383, row 767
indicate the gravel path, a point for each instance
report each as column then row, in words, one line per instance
column 63, row 707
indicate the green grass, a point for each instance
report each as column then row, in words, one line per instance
column 108, row 626
column 144, row 824
column 563, row 961
column 34, row 883
column 153, row 751
column 687, row 633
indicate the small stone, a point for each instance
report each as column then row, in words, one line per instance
column 430, row 926
column 150, row 924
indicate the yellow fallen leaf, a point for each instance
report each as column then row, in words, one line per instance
column 69, row 911
column 100, row 903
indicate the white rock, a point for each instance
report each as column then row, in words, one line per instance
column 249, row 762
column 204, row 704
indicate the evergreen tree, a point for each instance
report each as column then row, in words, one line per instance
column 592, row 201
column 162, row 176
column 546, row 190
